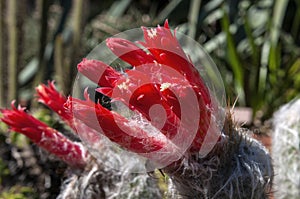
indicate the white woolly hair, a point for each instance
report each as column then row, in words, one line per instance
column 286, row 151
column 101, row 182
column 239, row 167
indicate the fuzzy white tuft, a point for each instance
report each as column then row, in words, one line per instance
column 286, row 151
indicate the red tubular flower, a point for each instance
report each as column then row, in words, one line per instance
column 141, row 101
column 44, row 136
column 166, row 51
column 129, row 52
column 48, row 95
column 98, row 72
column 141, row 96
column 162, row 75
column 114, row 126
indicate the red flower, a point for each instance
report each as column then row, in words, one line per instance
column 98, row 72
column 162, row 75
column 49, row 96
column 129, row 52
column 44, row 136
column 117, row 128
column 166, row 51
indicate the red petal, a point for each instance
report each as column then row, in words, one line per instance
column 166, row 49
column 105, row 91
column 139, row 93
column 98, row 72
column 129, row 52
column 114, row 126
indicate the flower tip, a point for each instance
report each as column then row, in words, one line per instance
column 16, row 108
column 166, row 25
column 44, row 90
column 39, row 87
column 40, row 90
column 120, row 44
column 51, row 83
column 108, row 39
column 87, row 64
column 81, row 64
column 86, row 94
column 12, row 104
column 110, row 42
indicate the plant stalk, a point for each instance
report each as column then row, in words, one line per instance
column 12, row 49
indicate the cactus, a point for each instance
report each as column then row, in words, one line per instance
column 238, row 167
column 286, row 151
column 184, row 141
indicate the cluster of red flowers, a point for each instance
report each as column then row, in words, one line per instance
column 162, row 76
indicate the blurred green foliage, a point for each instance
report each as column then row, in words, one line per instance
column 257, row 51
column 3, row 170
column 256, row 46
column 17, row 192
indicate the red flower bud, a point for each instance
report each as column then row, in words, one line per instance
column 129, row 52
column 98, row 72
column 44, row 136
column 48, row 95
